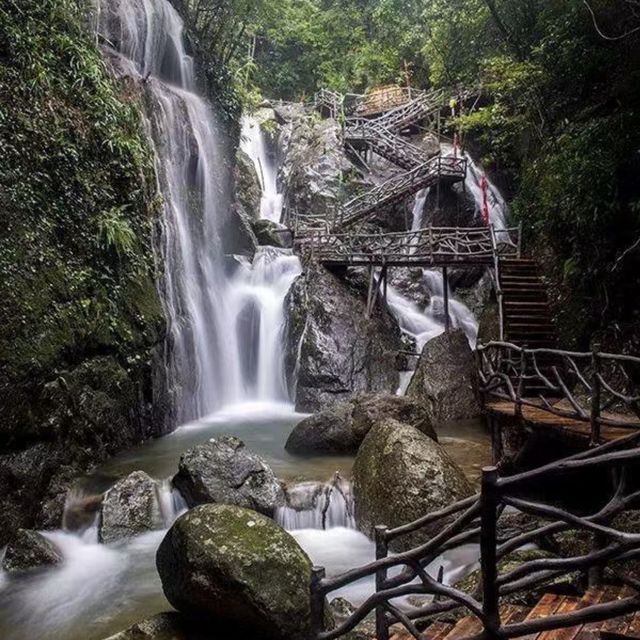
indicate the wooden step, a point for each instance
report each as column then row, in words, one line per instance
column 566, row 606
column 547, row 606
column 437, row 631
column 465, row 628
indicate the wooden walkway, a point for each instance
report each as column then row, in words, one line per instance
column 627, row 626
column 562, row 427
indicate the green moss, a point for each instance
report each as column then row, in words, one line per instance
column 78, row 205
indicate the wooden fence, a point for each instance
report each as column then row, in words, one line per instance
column 479, row 519
column 595, row 388
column 428, row 246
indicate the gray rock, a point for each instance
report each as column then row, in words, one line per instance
column 446, row 379
column 224, row 471
column 29, row 550
column 129, row 508
column 239, row 568
column 334, row 351
column 164, row 626
column 343, row 427
column 341, row 609
column 267, row 233
column 400, row 475
column 330, row 431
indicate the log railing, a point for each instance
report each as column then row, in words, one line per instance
column 431, row 245
column 479, row 519
column 424, row 175
column 601, row 389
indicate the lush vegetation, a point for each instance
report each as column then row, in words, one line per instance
column 77, row 196
column 557, row 121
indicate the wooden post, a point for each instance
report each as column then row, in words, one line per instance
column 520, row 241
column 520, row 388
column 489, row 498
column 385, row 273
column 382, row 625
column 445, row 289
column 317, row 602
column 596, row 392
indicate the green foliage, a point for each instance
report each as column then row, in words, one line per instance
column 78, row 202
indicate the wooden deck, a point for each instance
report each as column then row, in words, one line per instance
column 566, row 428
column 627, row 626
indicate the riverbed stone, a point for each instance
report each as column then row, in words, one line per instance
column 446, row 379
column 130, row 508
column 334, row 351
column 400, row 475
column 240, row 569
column 30, row 550
column 342, row 428
column 224, row 471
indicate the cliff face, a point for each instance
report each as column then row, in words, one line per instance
column 80, row 321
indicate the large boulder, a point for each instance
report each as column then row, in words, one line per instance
column 400, row 475
column 29, row 550
column 224, row 471
column 129, row 508
column 239, row 568
column 334, row 351
column 342, row 428
column 446, row 379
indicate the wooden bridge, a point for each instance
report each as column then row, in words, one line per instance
column 587, row 592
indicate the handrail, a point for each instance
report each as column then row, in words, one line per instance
column 601, row 389
column 477, row 518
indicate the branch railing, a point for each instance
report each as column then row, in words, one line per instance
column 431, row 245
column 600, row 389
column 479, row 520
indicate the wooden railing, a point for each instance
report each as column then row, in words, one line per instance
column 405, row 184
column 595, row 388
column 431, row 245
column 478, row 519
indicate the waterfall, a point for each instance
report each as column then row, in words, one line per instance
column 318, row 505
column 255, row 144
column 206, row 310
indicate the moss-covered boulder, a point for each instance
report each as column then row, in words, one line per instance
column 446, row 379
column 30, row 550
column 239, row 568
column 400, row 475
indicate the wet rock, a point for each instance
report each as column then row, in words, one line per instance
column 240, row 569
column 29, row 550
column 330, row 431
column 400, row 475
column 446, row 379
column 164, row 626
column 267, row 233
column 224, row 471
column 452, row 207
column 341, row 609
column 343, row 427
column 130, row 508
column 334, row 351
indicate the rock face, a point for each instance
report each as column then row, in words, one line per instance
column 446, row 379
column 29, row 550
column 130, row 508
column 224, row 471
column 239, row 568
column 342, row 428
column 334, row 351
column 401, row 475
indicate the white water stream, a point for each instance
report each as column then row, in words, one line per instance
column 255, row 144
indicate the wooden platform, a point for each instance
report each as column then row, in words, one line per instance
column 627, row 626
column 568, row 428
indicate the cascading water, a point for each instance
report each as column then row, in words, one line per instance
column 255, row 144
column 226, row 345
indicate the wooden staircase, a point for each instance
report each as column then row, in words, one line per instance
column 627, row 626
column 525, row 305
